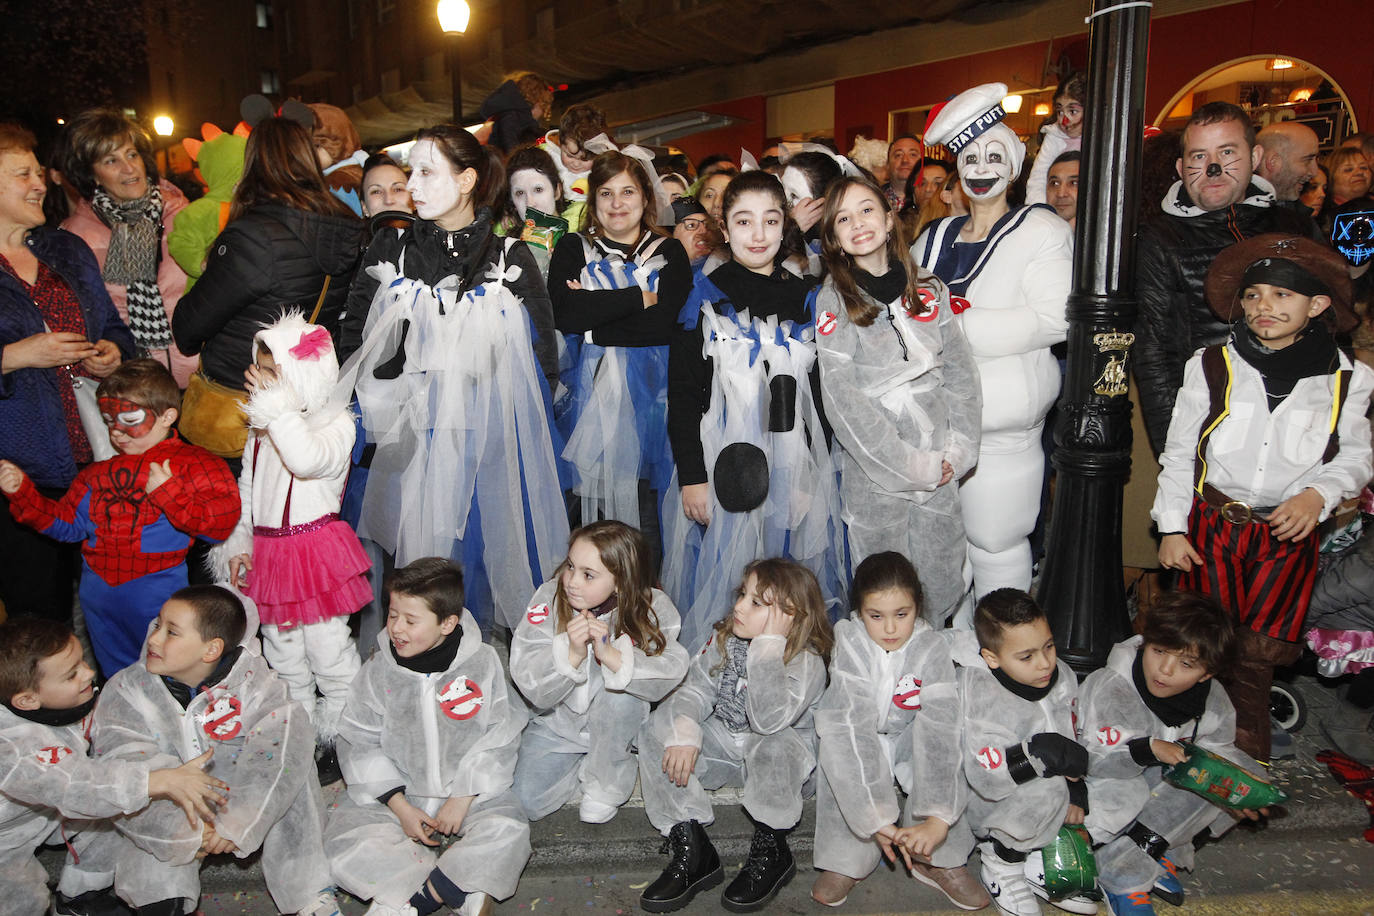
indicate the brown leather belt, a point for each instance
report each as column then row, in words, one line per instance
column 1233, row 510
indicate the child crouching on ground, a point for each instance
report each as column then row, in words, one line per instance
column 1269, row 433
column 1023, row 765
column 742, row 717
column 137, row 512
column 1156, row 690
column 891, row 713
column 427, row 743
column 46, row 774
column 200, row 687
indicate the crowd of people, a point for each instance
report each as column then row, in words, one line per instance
column 744, row 463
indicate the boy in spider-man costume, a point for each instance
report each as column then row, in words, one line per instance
column 137, row 512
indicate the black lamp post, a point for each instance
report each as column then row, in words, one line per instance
column 453, row 19
column 1081, row 584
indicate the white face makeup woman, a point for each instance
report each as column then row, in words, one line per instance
column 440, row 194
column 753, row 228
column 384, row 188
column 532, row 188
column 985, row 168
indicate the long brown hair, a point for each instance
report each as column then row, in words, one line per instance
column 280, row 167
column 841, row 264
column 625, row 555
column 607, row 166
column 793, row 588
column 462, row 151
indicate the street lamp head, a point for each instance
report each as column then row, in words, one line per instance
column 453, row 16
column 163, row 126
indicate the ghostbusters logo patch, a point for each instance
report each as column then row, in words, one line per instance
column 53, row 754
column 958, row 304
column 222, row 720
column 989, row 758
column 930, row 301
column 461, row 699
column 538, row 614
column 1108, row 736
column 907, row 694
column 825, row 324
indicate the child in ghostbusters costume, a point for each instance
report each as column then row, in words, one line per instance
column 1008, row 272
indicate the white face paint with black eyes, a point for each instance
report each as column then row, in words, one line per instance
column 532, row 188
column 985, row 167
column 795, row 186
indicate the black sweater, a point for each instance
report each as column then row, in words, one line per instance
column 427, row 258
column 689, row 372
column 617, row 317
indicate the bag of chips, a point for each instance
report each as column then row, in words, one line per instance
column 1222, row 782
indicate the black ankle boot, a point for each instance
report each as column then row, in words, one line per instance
column 767, row 869
column 694, row 866
column 327, row 764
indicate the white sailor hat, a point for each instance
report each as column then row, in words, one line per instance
column 967, row 115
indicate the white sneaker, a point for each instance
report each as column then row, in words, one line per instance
column 476, row 904
column 381, row 909
column 1035, row 877
column 1007, row 885
column 326, row 904
column 591, row 811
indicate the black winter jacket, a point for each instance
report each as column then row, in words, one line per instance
column 269, row 259
column 427, row 258
column 1174, row 321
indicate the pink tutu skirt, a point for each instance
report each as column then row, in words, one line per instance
column 315, row 572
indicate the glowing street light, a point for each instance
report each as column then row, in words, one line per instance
column 453, row 16
column 1011, row 104
column 453, row 19
column 163, row 126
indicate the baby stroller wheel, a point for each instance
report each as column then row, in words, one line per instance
column 1287, row 706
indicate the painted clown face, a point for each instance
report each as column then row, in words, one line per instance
column 986, row 166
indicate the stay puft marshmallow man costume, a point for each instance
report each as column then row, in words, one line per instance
column 46, row 778
column 1125, row 782
column 585, row 719
column 264, row 749
column 309, row 572
column 902, row 396
column 886, row 716
column 751, row 715
column 1009, row 291
column 434, row 736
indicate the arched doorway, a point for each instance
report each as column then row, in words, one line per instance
column 1271, row 88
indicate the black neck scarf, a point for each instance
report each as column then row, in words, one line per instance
column 1313, row 353
column 1172, row 711
column 435, row 660
column 887, row 288
column 183, row 694
column 54, row 717
column 1025, row 691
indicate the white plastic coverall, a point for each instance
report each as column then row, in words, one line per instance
column 771, row 760
column 585, row 719
column 264, row 749
column 1120, row 790
column 886, row 716
column 441, row 736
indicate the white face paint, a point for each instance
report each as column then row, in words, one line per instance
column 531, row 188
column 795, row 186
column 985, row 167
column 435, row 188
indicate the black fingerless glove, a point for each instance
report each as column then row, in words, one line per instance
column 1078, row 794
column 1058, row 755
column 1142, row 753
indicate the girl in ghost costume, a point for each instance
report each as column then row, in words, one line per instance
column 743, row 717
column 900, row 390
column 435, row 726
column 1063, row 134
column 753, row 472
column 1008, row 273
column 890, row 713
column 453, row 378
column 291, row 553
column 263, row 743
column 617, row 288
column 603, row 611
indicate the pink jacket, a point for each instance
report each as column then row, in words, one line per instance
column 171, row 279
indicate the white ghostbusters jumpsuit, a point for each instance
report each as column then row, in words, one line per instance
column 585, row 719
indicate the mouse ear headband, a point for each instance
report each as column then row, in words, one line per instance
column 254, row 109
column 662, row 202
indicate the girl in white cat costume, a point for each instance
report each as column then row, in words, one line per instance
column 290, row 552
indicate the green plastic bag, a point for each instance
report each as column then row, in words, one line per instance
column 1069, row 865
column 1222, row 782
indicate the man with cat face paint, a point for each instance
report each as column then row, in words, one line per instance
column 1218, row 201
column 1008, row 271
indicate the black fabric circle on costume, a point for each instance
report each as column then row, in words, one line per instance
column 741, row 477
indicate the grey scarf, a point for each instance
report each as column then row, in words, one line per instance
column 734, row 685
column 132, row 260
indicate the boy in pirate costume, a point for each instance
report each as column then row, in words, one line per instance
column 1269, row 433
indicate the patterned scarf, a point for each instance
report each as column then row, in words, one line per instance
column 734, row 684
column 135, row 235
